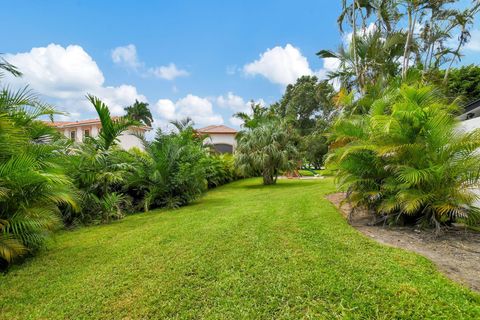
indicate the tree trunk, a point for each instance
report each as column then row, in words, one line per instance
column 354, row 45
column 268, row 179
column 406, row 51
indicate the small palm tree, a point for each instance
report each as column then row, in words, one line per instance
column 112, row 128
column 139, row 111
column 267, row 149
column 33, row 184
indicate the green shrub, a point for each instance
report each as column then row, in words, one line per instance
column 220, row 169
column 407, row 159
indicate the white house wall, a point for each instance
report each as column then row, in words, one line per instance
column 221, row 138
column 470, row 125
column 128, row 140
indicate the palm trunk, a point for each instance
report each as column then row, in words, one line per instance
column 445, row 78
column 406, row 51
column 354, row 45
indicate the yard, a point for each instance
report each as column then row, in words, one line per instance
column 242, row 251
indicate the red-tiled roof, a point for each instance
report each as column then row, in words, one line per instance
column 61, row 124
column 68, row 124
column 217, row 129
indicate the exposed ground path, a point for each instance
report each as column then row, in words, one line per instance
column 243, row 251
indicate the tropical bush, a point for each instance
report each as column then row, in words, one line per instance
column 33, row 183
column 407, row 160
column 220, row 169
column 170, row 173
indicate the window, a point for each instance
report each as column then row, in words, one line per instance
column 86, row 133
column 72, row 135
column 223, row 148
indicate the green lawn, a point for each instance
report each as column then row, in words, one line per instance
column 244, row 251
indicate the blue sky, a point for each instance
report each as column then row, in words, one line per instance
column 194, row 58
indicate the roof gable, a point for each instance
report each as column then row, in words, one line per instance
column 217, row 129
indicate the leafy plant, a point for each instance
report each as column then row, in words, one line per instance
column 406, row 159
column 267, row 149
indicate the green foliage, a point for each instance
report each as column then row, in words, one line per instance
column 140, row 112
column 267, row 149
column 112, row 128
column 33, row 184
column 170, row 173
column 406, row 159
column 220, row 169
column 258, row 116
column 308, row 107
column 463, row 83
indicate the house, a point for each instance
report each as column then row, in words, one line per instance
column 470, row 120
column 471, row 116
column 221, row 137
column 79, row 130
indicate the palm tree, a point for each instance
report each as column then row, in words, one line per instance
column 33, row 184
column 112, row 128
column 139, row 111
column 266, row 149
column 182, row 124
column 406, row 159
column 257, row 116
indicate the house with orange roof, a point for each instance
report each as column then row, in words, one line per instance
column 79, row 130
column 220, row 137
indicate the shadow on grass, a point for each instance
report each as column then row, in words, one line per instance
column 281, row 184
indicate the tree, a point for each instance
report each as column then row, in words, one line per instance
column 259, row 114
column 381, row 44
column 112, row 128
column 140, row 112
column 266, row 149
column 463, row 82
column 308, row 107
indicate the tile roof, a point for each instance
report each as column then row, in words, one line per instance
column 217, row 129
column 68, row 124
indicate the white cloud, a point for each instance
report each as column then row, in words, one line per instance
column 200, row 110
column 347, row 37
column 280, row 65
column 66, row 75
column 329, row 65
column 126, row 56
column 235, row 121
column 166, row 109
column 169, row 72
column 474, row 43
column 232, row 102
column 285, row 65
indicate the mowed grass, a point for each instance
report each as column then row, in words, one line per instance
column 244, row 251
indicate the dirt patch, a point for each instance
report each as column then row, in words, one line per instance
column 455, row 252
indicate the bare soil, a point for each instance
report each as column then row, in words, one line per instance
column 455, row 252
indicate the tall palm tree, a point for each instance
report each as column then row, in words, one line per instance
column 139, row 111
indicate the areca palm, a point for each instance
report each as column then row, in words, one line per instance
column 33, row 184
column 407, row 159
column 112, row 128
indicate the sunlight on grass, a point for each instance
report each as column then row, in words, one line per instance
column 242, row 251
